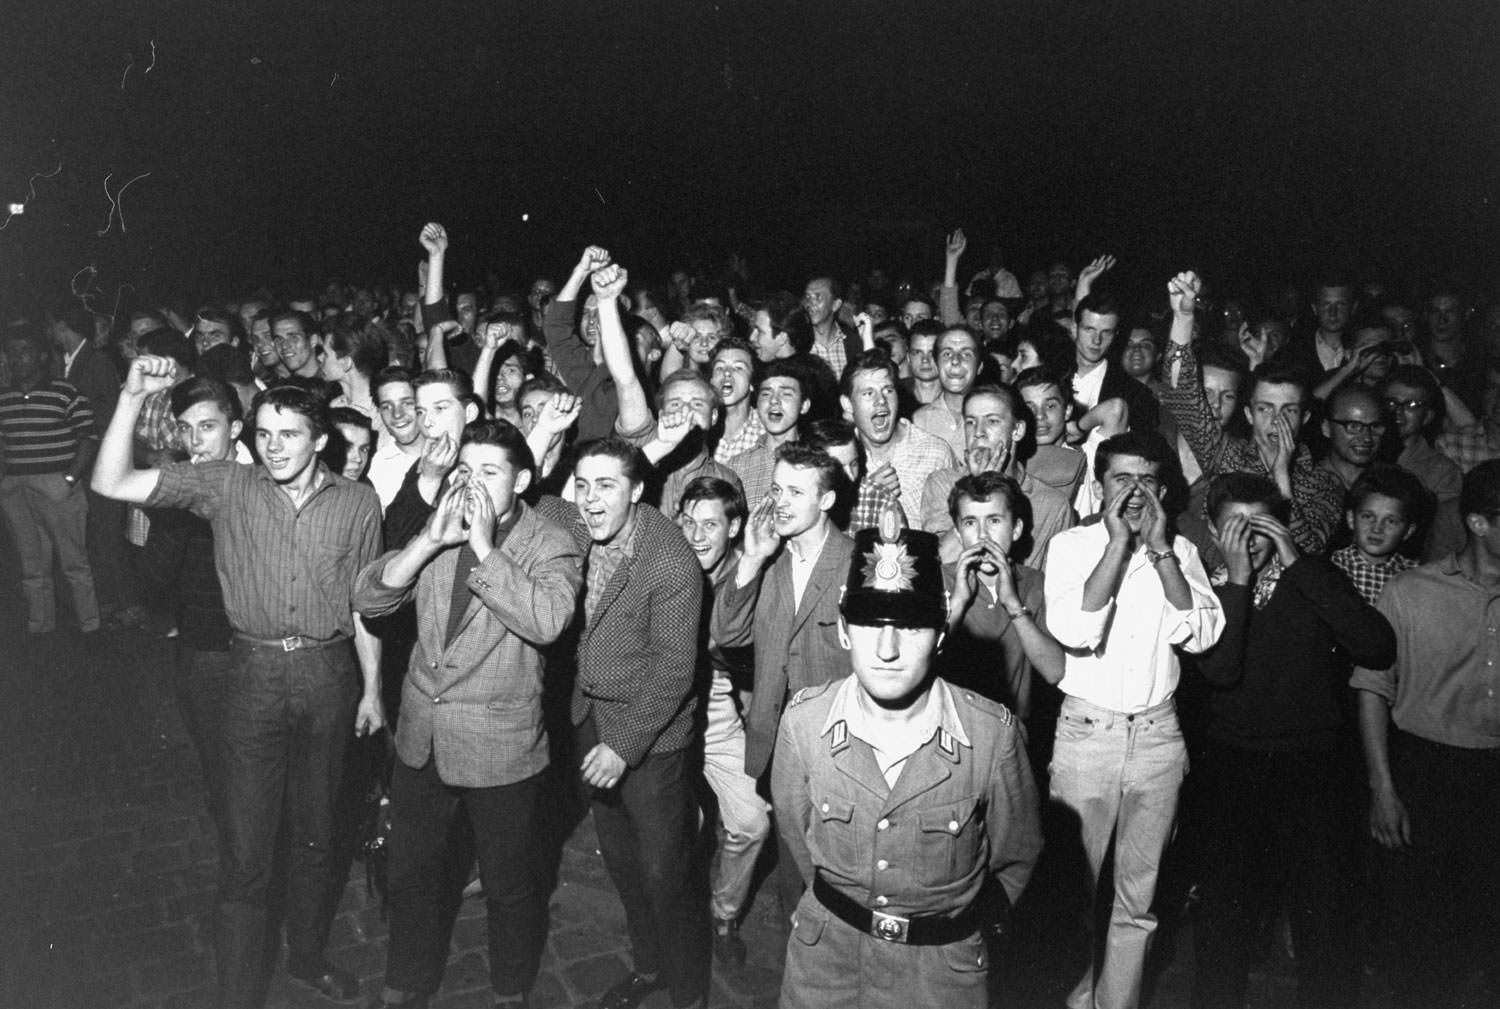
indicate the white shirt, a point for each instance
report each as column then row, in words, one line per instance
column 70, row 357
column 802, row 567
column 1086, row 387
column 388, row 468
column 1122, row 656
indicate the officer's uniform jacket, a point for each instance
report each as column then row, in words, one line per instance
column 963, row 809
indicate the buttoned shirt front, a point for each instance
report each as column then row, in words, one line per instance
column 1368, row 577
column 914, row 455
column 1445, row 683
column 1123, row 655
column 892, row 750
column 604, row 559
column 746, row 438
column 803, row 562
column 941, row 422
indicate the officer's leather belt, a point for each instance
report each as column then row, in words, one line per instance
column 893, row 927
column 294, row 643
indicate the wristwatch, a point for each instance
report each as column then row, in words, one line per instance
column 70, row 478
column 1024, row 611
column 1157, row 556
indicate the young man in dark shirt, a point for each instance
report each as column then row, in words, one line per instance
column 1277, row 821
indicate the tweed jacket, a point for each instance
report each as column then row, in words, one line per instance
column 475, row 703
column 638, row 654
column 792, row 649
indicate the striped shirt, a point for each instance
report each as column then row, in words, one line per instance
column 41, row 429
column 285, row 570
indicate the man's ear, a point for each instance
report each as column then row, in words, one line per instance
column 636, row 492
column 1328, row 433
column 826, row 500
column 1411, row 530
column 523, row 481
column 735, row 525
column 1018, row 529
column 1249, row 414
column 843, row 632
column 235, row 427
column 807, row 405
column 1019, row 434
column 320, row 444
column 471, row 412
column 848, row 405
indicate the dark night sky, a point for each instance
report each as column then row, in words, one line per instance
column 1247, row 140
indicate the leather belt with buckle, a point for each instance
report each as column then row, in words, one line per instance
column 295, row 642
column 894, row 927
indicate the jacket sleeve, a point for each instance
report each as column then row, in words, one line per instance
column 1224, row 664
column 572, row 356
column 1196, row 420
column 791, row 799
column 408, row 512
column 733, row 622
column 671, row 661
column 1012, row 818
column 534, row 601
column 371, row 596
column 1359, row 628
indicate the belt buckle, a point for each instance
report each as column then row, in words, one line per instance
column 890, row 927
column 292, row 643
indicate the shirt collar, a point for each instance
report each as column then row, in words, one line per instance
column 942, row 713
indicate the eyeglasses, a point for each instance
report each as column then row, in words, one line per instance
column 1405, row 404
column 1358, row 427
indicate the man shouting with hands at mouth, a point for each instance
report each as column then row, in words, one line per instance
column 289, row 537
column 1122, row 595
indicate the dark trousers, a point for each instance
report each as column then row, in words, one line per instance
column 504, row 819
column 1441, row 893
column 288, row 718
column 115, row 581
column 1276, row 837
column 646, row 826
column 201, row 679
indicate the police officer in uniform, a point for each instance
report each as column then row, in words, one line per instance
column 907, row 802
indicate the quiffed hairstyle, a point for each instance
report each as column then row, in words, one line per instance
column 1246, row 488
column 982, row 487
column 505, row 436
column 1481, row 493
column 1392, row 482
column 632, row 463
column 202, row 389
column 869, row 360
column 1147, row 445
column 294, row 398
column 804, row 457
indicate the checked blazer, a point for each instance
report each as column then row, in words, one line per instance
column 793, row 648
column 475, row 703
column 638, row 654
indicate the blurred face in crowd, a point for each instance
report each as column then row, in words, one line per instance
column 605, row 495
column 847, row 456
column 819, row 301
column 1333, row 306
column 1377, row 340
column 1038, row 286
column 1410, row 407
column 974, row 312
column 1379, row 524
column 487, row 469
column 708, row 530
column 1026, row 356
column 359, row 441
column 780, row 404
column 871, row 405
column 958, row 361
column 1060, row 279
column 26, row 361
column 767, row 342
column 508, row 379
column 696, row 397
column 915, row 311
column 207, row 432
column 249, row 309
column 1354, row 426
column 703, row 341
column 265, row 343
column 1403, row 322
column 467, row 311
column 1139, row 357
column 922, row 356
column 1050, row 410
column 208, row 334
column 532, row 405
column 1094, row 336
column 588, row 328
column 397, row 404
column 987, row 519
column 995, row 320
column 285, row 443
column 798, row 500
column 1221, row 387
column 1445, row 318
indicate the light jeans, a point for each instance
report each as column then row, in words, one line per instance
column 741, row 809
column 45, row 514
column 1119, row 775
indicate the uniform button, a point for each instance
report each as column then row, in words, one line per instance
column 882, row 865
column 825, row 807
column 882, row 824
column 882, row 901
column 953, row 825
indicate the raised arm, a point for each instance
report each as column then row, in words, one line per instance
column 634, row 409
column 115, row 475
column 1183, row 392
column 434, row 239
column 1089, row 274
column 949, row 309
column 436, row 358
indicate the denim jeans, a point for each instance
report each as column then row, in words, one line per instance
column 506, row 831
column 646, row 826
column 48, row 519
column 288, row 722
column 744, row 814
column 1119, row 776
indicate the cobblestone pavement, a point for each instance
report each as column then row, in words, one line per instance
column 109, row 864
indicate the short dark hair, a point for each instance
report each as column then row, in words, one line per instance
column 213, row 313
column 787, row 367
column 202, row 389
column 711, row 488
column 1481, row 491
column 965, row 331
column 1012, row 399
column 296, row 399
column 826, row 432
column 869, row 360
column 364, row 345
column 1040, row 377
column 632, row 463
column 309, row 325
column 805, row 457
column 1419, row 377
column 1098, row 302
column 458, row 381
column 1275, row 373
column 927, row 327
column 542, row 381
column 738, row 343
column 1392, row 482
column 169, row 343
column 1246, row 488
column 1147, row 445
column 505, row 436
column 389, row 376
column 982, row 487
column 1225, row 358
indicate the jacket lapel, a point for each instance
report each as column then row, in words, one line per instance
column 826, row 572
column 520, row 533
column 924, row 771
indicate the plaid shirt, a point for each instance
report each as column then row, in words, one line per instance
column 603, row 560
column 868, row 506
column 747, row 438
column 914, row 454
column 1369, row 578
column 156, row 428
column 1470, row 446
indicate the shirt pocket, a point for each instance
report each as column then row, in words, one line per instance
column 948, row 842
column 833, row 823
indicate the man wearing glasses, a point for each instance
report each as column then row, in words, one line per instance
column 1355, row 425
column 1415, row 403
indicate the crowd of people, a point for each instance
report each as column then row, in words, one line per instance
column 908, row 590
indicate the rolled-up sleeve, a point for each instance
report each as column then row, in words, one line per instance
column 198, row 487
column 1382, row 680
column 1070, row 561
column 1197, row 629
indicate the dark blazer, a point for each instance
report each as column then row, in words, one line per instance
column 638, row 654
column 475, row 703
column 94, row 375
column 1144, row 409
column 792, row 649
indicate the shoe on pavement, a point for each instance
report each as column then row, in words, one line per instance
column 729, row 948
column 333, row 983
column 629, row 992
